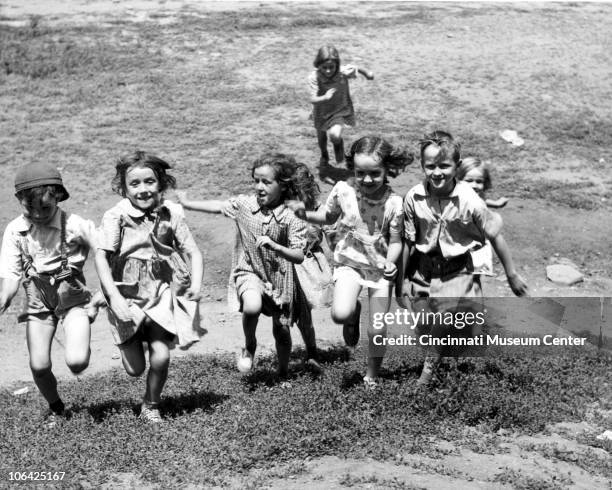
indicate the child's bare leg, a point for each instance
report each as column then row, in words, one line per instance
column 251, row 309
column 78, row 335
column 132, row 356
column 322, row 142
column 378, row 300
column 335, row 135
column 282, row 336
column 346, row 308
column 39, row 336
column 307, row 331
column 159, row 360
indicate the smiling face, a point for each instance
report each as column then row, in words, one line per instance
column 476, row 179
column 39, row 205
column 440, row 170
column 370, row 174
column 142, row 188
column 268, row 190
column 328, row 68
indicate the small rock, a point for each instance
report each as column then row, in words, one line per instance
column 116, row 356
column 512, row 137
column 21, row 391
column 564, row 275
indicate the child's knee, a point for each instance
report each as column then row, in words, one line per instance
column 134, row 371
column 160, row 361
column 78, row 367
column 342, row 313
column 251, row 304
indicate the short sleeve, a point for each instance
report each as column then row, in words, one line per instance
column 11, row 265
column 490, row 222
column 230, row 208
column 408, row 216
column 396, row 217
column 313, row 84
column 184, row 239
column 332, row 204
column 83, row 231
column 108, row 236
column 297, row 233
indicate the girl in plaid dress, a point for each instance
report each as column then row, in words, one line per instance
column 270, row 239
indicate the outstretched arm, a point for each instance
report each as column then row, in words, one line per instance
column 366, row 73
column 208, row 206
column 518, row 286
column 7, row 293
column 319, row 217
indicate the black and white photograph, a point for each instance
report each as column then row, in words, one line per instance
column 305, row 244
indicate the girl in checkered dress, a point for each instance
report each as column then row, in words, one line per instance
column 270, row 239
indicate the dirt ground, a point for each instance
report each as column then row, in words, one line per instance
column 551, row 231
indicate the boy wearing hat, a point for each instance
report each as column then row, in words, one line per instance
column 48, row 247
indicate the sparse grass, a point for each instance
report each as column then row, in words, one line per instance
column 224, row 426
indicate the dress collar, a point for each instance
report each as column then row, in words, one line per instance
column 255, row 208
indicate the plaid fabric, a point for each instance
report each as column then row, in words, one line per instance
column 274, row 273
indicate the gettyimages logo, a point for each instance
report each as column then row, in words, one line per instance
column 468, row 327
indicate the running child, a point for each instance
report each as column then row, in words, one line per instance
column 48, row 247
column 473, row 171
column 331, row 100
column 445, row 221
column 152, row 295
column 270, row 239
column 367, row 242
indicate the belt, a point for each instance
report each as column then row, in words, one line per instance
column 439, row 266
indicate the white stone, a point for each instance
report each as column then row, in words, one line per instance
column 563, row 274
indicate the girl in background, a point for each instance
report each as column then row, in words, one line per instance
column 151, row 294
column 331, row 100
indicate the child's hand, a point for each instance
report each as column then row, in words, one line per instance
column 518, row 285
column 390, row 271
column 266, row 241
column 298, row 208
column 193, row 293
column 330, row 93
column 120, row 308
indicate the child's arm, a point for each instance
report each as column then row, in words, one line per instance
column 118, row 303
column 7, row 293
column 518, row 286
column 197, row 271
column 366, row 73
column 209, row 206
column 393, row 254
column 293, row 255
column 319, row 217
column 317, row 99
column 496, row 203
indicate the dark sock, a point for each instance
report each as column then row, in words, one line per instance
column 57, row 406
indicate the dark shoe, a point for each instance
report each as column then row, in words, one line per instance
column 313, row 366
column 350, row 331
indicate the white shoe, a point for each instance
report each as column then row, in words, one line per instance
column 245, row 361
column 150, row 415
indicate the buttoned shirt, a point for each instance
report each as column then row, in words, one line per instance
column 450, row 225
column 44, row 244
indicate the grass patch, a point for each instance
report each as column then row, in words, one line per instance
column 219, row 425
